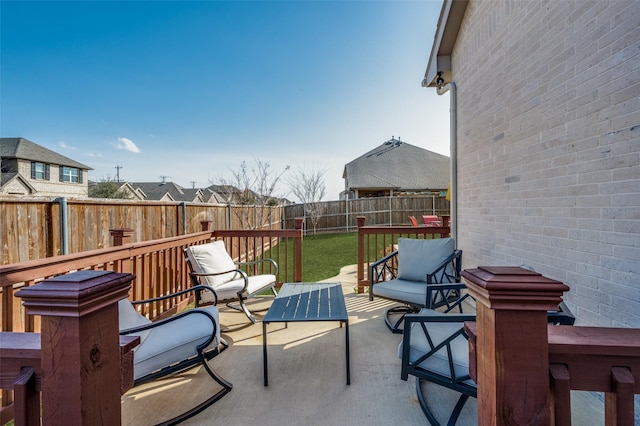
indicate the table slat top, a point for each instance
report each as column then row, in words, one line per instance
column 308, row 302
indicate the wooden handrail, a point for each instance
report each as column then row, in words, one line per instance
column 511, row 343
column 158, row 266
column 374, row 242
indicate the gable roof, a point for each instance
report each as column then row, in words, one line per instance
column 167, row 190
column 7, row 179
column 400, row 166
column 23, row 149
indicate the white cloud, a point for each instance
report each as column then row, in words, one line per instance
column 62, row 144
column 127, row 145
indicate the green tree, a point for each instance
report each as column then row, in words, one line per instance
column 107, row 188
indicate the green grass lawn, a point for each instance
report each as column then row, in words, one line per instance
column 324, row 255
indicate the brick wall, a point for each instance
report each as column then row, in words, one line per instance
column 53, row 187
column 549, row 147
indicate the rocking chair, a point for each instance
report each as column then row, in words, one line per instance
column 175, row 344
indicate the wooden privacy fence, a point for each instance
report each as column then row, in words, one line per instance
column 340, row 216
column 35, row 228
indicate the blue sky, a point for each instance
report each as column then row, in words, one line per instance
column 190, row 90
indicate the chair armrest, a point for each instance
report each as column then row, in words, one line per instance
column 448, row 295
column 442, row 274
column 242, row 273
column 179, row 293
column 274, row 265
column 379, row 269
column 562, row 316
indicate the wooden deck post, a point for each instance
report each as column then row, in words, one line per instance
column 206, row 225
column 297, row 248
column 360, row 220
column 80, row 349
column 121, row 236
column 512, row 343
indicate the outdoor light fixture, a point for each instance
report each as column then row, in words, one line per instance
column 440, row 80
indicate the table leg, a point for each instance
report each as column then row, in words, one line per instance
column 346, row 332
column 264, row 353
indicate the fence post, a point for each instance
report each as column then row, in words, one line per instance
column 511, row 346
column 360, row 220
column 297, row 249
column 80, row 349
column 121, row 236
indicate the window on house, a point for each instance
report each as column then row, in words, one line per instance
column 70, row 174
column 39, row 171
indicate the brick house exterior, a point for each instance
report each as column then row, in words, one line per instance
column 396, row 168
column 547, row 143
column 29, row 169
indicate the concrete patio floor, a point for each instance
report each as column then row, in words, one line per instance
column 307, row 378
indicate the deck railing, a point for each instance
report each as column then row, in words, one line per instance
column 510, row 343
column 158, row 266
column 374, row 242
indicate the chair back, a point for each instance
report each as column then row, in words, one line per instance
column 419, row 258
column 212, row 258
column 413, row 220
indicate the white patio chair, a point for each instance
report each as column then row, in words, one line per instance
column 211, row 265
column 175, row 344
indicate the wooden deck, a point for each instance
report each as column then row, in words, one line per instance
column 307, row 370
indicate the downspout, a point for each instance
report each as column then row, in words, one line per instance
column 64, row 228
column 453, row 144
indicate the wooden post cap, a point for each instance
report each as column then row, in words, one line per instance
column 513, row 288
column 76, row 294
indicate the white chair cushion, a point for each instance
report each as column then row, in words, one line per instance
column 213, row 258
column 439, row 361
column 174, row 341
column 229, row 290
column 417, row 258
column 128, row 317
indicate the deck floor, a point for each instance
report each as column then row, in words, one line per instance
column 307, row 382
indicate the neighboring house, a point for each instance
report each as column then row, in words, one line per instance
column 168, row 191
column 546, row 97
column 397, row 168
column 30, row 169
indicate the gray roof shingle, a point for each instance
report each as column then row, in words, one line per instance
column 399, row 166
column 23, row 149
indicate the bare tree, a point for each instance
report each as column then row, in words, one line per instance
column 252, row 191
column 308, row 187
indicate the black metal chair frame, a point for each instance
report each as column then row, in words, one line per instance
column 241, row 298
column 203, row 355
column 386, row 269
column 454, row 313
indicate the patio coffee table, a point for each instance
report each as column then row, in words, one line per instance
column 307, row 302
